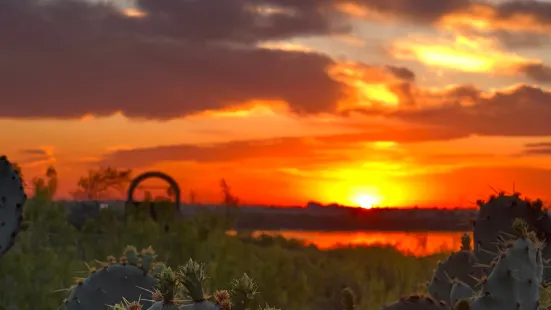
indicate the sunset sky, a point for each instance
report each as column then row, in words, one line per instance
column 395, row 102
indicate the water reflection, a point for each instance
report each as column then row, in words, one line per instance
column 413, row 243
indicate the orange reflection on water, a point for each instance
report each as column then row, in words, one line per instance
column 412, row 243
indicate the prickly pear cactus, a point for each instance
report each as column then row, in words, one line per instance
column 495, row 219
column 192, row 276
column 242, row 292
column 516, row 277
column 129, row 278
column 459, row 266
column 417, row 302
column 12, row 199
column 172, row 287
column 222, row 299
column 460, row 290
column 167, row 291
column 127, row 305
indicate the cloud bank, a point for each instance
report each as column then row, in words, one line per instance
column 66, row 59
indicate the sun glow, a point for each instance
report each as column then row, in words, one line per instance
column 367, row 201
column 463, row 53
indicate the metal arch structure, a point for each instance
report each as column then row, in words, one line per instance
column 157, row 175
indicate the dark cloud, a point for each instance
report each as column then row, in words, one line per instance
column 537, row 72
column 67, row 58
column 542, row 148
column 34, row 152
column 34, row 156
column 538, row 145
column 240, row 20
column 288, row 151
column 463, row 91
column 522, row 111
column 418, row 10
column 522, row 39
column 402, row 73
column 538, row 9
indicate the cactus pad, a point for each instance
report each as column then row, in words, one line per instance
column 458, row 266
column 516, row 277
column 460, row 290
column 12, row 199
column 113, row 283
column 192, row 275
column 495, row 220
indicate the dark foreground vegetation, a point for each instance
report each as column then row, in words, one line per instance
column 50, row 253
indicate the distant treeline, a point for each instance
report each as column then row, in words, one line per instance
column 270, row 218
column 359, row 221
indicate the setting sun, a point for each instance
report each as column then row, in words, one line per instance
column 366, row 201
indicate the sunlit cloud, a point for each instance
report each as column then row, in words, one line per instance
column 369, row 86
column 119, row 147
column 352, row 9
column 133, row 12
column 486, row 17
column 268, row 10
column 463, row 53
column 284, row 46
column 383, row 144
column 87, row 117
column 252, row 108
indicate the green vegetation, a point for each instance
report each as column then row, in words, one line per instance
column 50, row 253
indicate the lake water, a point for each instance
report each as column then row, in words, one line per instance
column 413, row 243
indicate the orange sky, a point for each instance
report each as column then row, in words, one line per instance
column 356, row 103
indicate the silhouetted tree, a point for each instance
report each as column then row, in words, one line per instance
column 51, row 175
column 46, row 188
column 98, row 183
column 229, row 198
column 232, row 205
